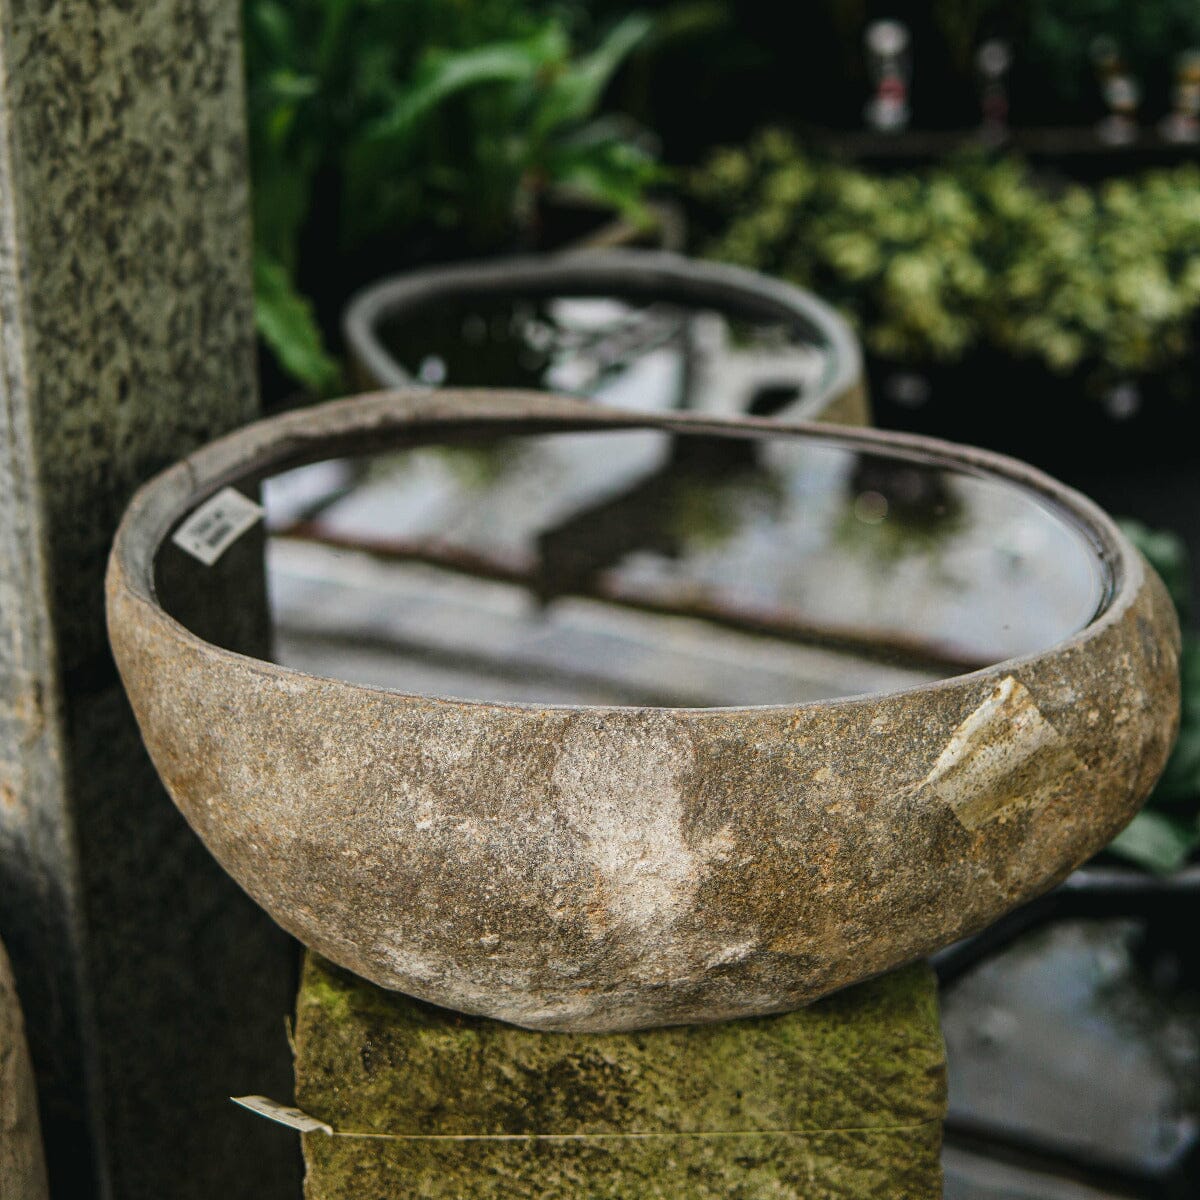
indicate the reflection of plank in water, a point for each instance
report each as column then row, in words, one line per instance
column 573, row 555
column 423, row 628
column 875, row 645
column 648, row 515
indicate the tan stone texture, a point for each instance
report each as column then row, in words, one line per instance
column 22, row 1166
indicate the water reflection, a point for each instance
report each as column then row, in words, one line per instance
column 642, row 567
column 650, row 355
column 1036, row 1035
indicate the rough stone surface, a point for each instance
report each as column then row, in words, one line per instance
column 127, row 341
column 22, row 1167
column 859, row 1077
column 614, row 868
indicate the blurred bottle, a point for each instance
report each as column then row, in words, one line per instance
column 992, row 62
column 1120, row 91
column 888, row 62
column 1182, row 123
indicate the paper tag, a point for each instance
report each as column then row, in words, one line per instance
column 216, row 525
column 284, row 1114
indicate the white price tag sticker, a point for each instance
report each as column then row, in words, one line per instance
column 282, row 1114
column 216, row 525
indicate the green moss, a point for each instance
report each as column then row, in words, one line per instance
column 856, row 1082
column 330, row 994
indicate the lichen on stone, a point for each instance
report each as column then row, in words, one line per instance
column 842, row 1099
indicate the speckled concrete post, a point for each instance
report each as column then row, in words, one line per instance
column 840, row 1100
column 126, row 341
column 22, row 1168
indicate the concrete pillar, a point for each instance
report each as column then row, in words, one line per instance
column 151, row 987
column 840, row 1101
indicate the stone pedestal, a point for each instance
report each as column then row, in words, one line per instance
column 844, row 1099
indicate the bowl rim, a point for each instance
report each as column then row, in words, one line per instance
column 378, row 420
column 658, row 273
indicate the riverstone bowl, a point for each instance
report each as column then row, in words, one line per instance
column 643, row 329
column 617, row 867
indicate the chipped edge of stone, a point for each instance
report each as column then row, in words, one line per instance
column 1005, row 757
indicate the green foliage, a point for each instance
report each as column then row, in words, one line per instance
column 935, row 265
column 451, row 114
column 1156, row 841
column 1167, row 832
column 1167, row 554
column 285, row 322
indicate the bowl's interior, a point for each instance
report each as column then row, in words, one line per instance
column 658, row 351
column 651, row 567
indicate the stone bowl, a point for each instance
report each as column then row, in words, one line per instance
column 569, row 867
column 430, row 304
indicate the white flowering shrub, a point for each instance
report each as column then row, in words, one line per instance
column 931, row 266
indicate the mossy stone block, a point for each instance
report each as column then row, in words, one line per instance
column 843, row 1099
